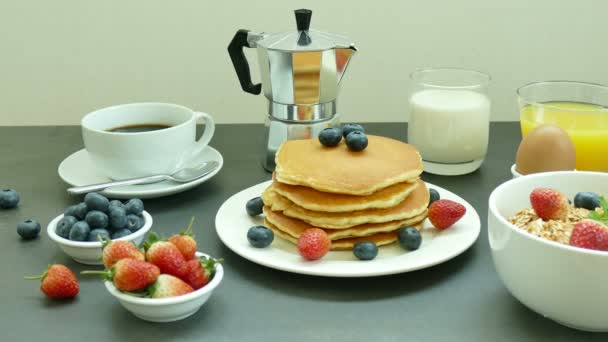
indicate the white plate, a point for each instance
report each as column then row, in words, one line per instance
column 78, row 169
column 232, row 223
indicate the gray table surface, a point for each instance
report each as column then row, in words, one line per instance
column 460, row 300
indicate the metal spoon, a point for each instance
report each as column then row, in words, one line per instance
column 185, row 175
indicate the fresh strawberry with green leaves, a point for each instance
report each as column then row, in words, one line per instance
column 600, row 214
column 313, row 244
column 58, row 281
column 200, row 271
column 168, row 286
column 590, row 234
column 165, row 255
column 130, row 274
column 185, row 242
column 119, row 249
column 444, row 213
column 549, row 204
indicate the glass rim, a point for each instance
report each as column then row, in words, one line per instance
column 530, row 102
column 486, row 78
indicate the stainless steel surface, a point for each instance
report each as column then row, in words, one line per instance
column 292, row 41
column 302, row 78
column 297, row 73
column 184, row 175
column 301, row 72
column 314, row 112
column 253, row 38
column 278, row 131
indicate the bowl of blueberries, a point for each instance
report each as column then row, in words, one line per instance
column 80, row 230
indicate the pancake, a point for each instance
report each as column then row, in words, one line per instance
column 338, row 170
column 295, row 227
column 311, row 199
column 379, row 239
column 415, row 204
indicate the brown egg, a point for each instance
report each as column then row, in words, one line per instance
column 546, row 148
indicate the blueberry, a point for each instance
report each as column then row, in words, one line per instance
column 28, row 229
column 260, row 236
column 80, row 231
column 434, row 196
column 118, row 218
column 254, row 206
column 134, row 222
column 365, row 250
column 134, row 206
column 8, row 198
column 351, row 127
column 64, row 225
column 356, row 141
column 120, row 233
column 410, row 238
column 96, row 234
column 330, row 136
column 78, row 211
column 587, row 200
column 116, row 203
column 96, row 201
column 96, row 219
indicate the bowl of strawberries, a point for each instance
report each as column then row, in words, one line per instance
column 168, row 281
column 548, row 236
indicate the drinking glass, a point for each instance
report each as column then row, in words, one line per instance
column 579, row 108
column 449, row 119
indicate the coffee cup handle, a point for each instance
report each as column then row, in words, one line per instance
column 207, row 134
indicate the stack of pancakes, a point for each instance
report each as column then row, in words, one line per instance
column 352, row 196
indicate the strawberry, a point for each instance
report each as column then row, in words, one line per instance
column 590, row 234
column 130, row 274
column 184, row 241
column 168, row 286
column 199, row 271
column 166, row 256
column 313, row 244
column 116, row 250
column 58, row 282
column 549, row 204
column 444, row 213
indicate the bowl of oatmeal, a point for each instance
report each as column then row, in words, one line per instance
column 533, row 256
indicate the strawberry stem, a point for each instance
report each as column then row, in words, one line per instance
column 36, row 277
column 39, row 276
column 209, row 264
column 104, row 242
column 108, row 274
column 188, row 230
column 152, row 238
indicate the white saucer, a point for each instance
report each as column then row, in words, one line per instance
column 232, row 223
column 78, row 170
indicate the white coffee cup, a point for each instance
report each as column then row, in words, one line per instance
column 122, row 155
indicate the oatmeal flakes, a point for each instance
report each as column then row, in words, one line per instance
column 554, row 230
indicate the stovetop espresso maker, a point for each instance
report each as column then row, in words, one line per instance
column 300, row 72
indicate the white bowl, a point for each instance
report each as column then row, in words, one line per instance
column 90, row 252
column 168, row 309
column 514, row 171
column 564, row 283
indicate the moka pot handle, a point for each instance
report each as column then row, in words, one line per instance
column 241, row 66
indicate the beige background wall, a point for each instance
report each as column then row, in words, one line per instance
column 62, row 58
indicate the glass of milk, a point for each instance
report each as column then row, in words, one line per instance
column 449, row 119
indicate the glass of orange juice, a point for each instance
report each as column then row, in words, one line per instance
column 579, row 108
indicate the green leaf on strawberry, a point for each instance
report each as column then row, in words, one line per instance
column 600, row 214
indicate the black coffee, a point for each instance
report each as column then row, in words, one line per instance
column 138, row 128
